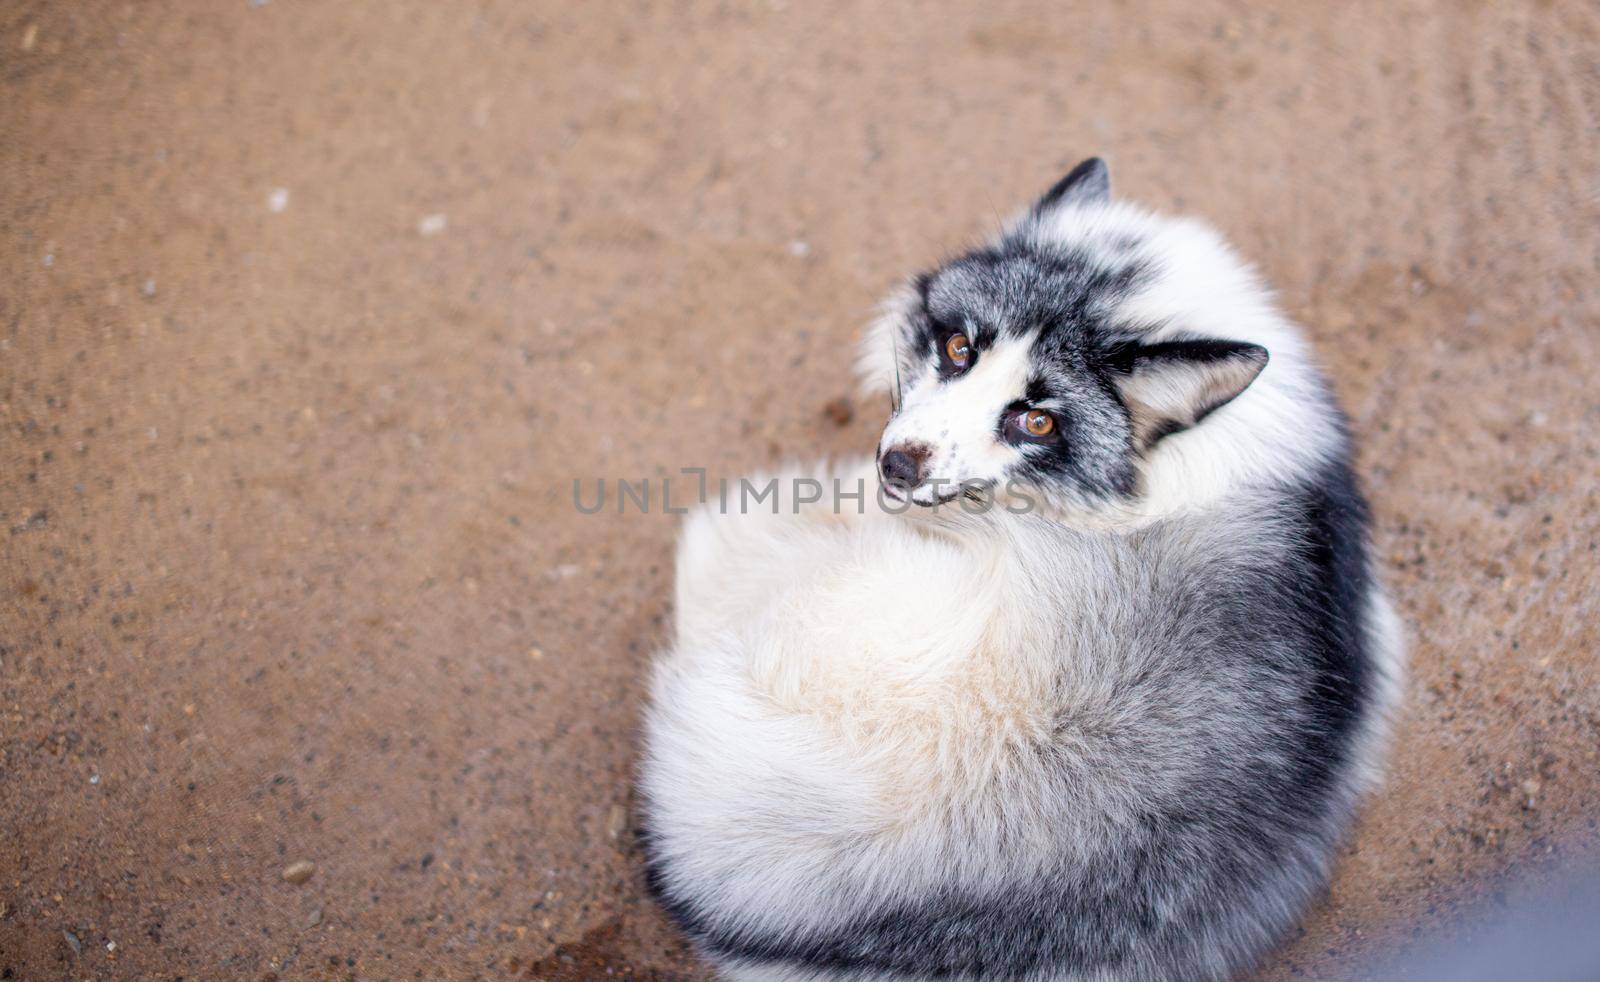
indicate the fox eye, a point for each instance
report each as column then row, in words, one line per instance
column 958, row 351
column 1036, row 423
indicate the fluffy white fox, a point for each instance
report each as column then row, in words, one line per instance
column 1090, row 686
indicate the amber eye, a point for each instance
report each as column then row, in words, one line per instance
column 1038, row 423
column 958, row 350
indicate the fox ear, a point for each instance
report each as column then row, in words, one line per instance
column 1088, row 183
column 1172, row 385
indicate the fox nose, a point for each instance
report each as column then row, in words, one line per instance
column 902, row 466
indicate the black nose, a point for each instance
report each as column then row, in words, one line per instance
column 903, row 467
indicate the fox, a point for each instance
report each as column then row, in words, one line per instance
column 1092, row 684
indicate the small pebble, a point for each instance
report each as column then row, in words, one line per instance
column 299, row 872
column 149, row 288
column 72, row 939
column 315, row 918
column 799, row 249
column 30, row 34
column 433, row 224
column 616, row 821
column 278, row 200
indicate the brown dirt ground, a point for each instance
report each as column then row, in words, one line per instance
column 289, row 567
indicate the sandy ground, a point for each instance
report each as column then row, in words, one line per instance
column 311, row 313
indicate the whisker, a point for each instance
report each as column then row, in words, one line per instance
column 899, row 391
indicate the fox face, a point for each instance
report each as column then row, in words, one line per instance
column 1031, row 364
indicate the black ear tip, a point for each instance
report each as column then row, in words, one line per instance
column 1092, row 165
column 1090, row 181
